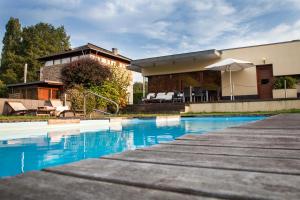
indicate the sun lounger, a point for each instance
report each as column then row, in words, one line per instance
column 59, row 107
column 17, row 108
column 149, row 97
column 159, row 97
column 169, row 96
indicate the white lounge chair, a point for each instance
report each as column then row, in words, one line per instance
column 59, row 107
column 159, row 97
column 149, row 97
column 169, row 96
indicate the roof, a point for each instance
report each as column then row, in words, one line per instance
column 79, row 49
column 47, row 82
column 267, row 44
column 136, row 65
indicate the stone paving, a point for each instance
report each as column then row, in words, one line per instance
column 259, row 160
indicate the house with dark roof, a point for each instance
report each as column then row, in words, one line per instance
column 50, row 84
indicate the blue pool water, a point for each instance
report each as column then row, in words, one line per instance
column 41, row 149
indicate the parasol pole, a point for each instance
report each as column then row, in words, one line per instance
column 230, row 83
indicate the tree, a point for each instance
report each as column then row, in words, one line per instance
column 25, row 46
column 11, row 58
column 85, row 72
column 3, row 89
column 40, row 40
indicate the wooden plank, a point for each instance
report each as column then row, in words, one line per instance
column 267, row 165
column 271, row 132
column 197, row 181
column 244, row 138
column 49, row 186
column 215, row 150
column 238, row 143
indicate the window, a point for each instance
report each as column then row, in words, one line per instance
column 49, row 63
column 264, row 81
column 57, row 62
column 65, row 60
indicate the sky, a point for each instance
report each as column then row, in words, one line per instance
column 146, row 28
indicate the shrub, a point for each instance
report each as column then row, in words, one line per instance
column 85, row 72
column 290, row 82
column 108, row 90
column 76, row 96
column 137, row 97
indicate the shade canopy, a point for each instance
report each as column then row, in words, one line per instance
column 230, row 64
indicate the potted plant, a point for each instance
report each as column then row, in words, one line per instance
column 285, row 87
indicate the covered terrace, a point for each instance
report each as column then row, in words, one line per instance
column 183, row 74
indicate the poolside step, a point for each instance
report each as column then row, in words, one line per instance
column 63, row 121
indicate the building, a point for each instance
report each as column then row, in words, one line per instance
column 50, row 73
column 39, row 90
column 176, row 72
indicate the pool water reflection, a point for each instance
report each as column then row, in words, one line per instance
column 52, row 148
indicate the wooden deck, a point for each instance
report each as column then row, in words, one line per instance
column 258, row 160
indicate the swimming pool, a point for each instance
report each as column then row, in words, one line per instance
column 35, row 145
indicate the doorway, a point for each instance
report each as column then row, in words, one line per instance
column 264, row 74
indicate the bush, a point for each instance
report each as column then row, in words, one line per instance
column 290, row 82
column 108, row 90
column 76, row 96
column 85, row 72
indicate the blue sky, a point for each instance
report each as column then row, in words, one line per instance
column 145, row 28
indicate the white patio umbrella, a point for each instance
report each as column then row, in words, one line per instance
column 230, row 65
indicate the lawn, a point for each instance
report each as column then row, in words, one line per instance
column 4, row 118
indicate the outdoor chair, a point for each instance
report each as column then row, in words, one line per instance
column 199, row 93
column 148, row 97
column 187, row 94
column 178, row 97
column 159, row 97
column 17, row 108
column 169, row 97
column 59, row 107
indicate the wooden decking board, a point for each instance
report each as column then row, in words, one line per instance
column 49, row 186
column 244, row 138
column 265, row 153
column 266, row 165
column 211, row 182
column 259, row 132
column 235, row 143
column 259, row 160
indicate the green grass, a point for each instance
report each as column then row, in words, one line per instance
column 4, row 118
column 12, row 118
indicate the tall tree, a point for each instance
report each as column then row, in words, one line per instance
column 25, row 46
column 40, row 40
column 12, row 62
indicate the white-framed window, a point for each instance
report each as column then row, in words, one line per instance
column 65, row 60
column 57, row 62
column 49, row 63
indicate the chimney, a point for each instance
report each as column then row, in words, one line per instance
column 25, row 73
column 115, row 51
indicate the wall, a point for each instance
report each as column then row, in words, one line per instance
column 284, row 57
column 28, row 103
column 251, row 106
column 53, row 72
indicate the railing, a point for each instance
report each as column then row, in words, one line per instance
column 98, row 95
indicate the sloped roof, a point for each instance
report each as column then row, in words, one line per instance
column 88, row 46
